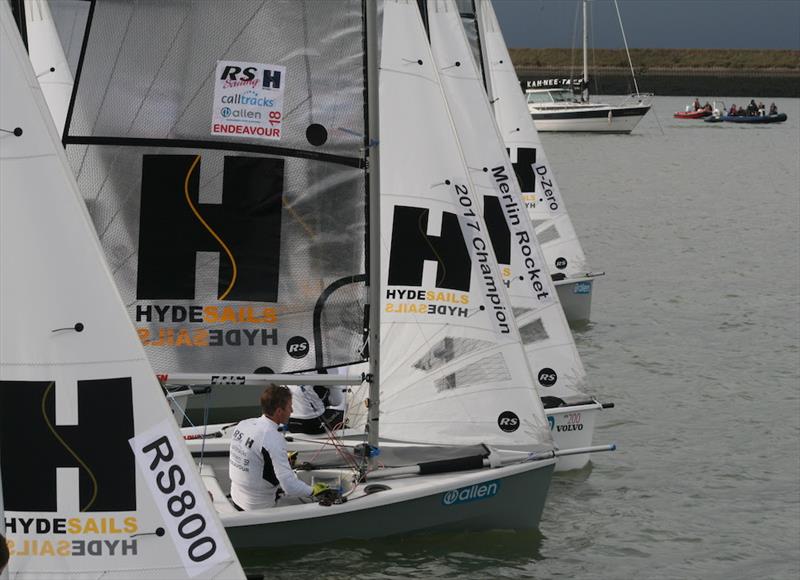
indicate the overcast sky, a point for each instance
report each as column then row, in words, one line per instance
column 654, row 23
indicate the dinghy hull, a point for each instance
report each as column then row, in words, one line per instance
column 572, row 427
column 510, row 497
column 576, row 299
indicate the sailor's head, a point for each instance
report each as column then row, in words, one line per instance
column 276, row 403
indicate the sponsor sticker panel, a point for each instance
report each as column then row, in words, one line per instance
column 248, row 100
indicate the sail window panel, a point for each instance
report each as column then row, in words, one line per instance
column 519, row 311
column 547, row 235
column 343, row 316
column 149, row 70
column 490, row 369
column 449, row 349
column 533, row 332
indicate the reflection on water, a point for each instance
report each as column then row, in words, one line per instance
column 498, row 554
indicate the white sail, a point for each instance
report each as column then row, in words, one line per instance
column 226, row 178
column 96, row 480
column 541, row 192
column 548, row 341
column 452, row 365
column 48, row 59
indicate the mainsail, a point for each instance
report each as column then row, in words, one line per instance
column 541, row 192
column 226, row 178
column 546, row 336
column 453, row 368
column 96, row 481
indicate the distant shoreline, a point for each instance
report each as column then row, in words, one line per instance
column 765, row 73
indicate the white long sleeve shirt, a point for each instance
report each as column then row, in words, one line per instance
column 259, row 465
column 306, row 404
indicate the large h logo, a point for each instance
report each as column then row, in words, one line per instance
column 497, row 227
column 523, row 167
column 245, row 229
column 411, row 246
column 33, row 445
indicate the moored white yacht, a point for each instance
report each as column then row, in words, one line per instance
column 565, row 106
column 558, row 109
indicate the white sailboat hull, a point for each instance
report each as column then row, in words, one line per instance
column 509, row 497
column 575, row 296
column 596, row 119
column 573, row 427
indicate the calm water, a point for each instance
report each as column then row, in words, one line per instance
column 696, row 337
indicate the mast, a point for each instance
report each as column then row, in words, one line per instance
column 585, row 91
column 485, row 64
column 373, row 167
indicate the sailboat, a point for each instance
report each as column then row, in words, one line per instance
column 549, row 346
column 563, row 252
column 554, row 106
column 86, row 492
column 228, row 178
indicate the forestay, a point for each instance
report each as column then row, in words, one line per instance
column 452, row 365
column 541, row 193
column 546, row 336
column 96, row 481
column 220, row 149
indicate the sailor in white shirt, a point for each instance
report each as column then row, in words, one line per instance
column 307, row 410
column 259, row 468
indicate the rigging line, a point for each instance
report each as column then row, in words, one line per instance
column 108, row 84
column 68, row 448
column 297, row 218
column 72, row 33
column 307, row 62
column 167, row 54
column 625, row 41
column 211, row 231
column 223, row 54
column 142, row 102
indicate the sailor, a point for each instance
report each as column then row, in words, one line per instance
column 259, row 468
column 308, row 409
column 336, row 401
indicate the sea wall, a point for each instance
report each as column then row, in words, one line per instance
column 683, row 82
column 680, row 72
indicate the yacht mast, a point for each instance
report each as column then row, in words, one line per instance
column 373, row 167
column 585, row 91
